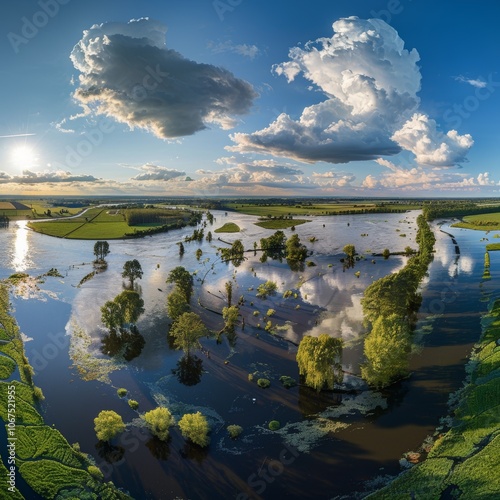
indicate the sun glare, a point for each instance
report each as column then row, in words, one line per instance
column 24, row 156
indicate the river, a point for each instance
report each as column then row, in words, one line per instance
column 329, row 443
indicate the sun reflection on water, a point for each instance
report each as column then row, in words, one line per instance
column 21, row 260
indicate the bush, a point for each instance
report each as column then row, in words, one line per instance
column 95, row 472
column 158, row 421
column 250, row 377
column 274, row 425
column 121, row 392
column 38, row 394
column 271, row 312
column 194, row 426
column 264, row 383
column 234, row 430
column 107, row 425
column 133, row 404
column 288, row 381
column 386, row 253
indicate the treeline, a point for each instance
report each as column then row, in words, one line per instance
column 390, row 305
column 456, row 208
column 137, row 216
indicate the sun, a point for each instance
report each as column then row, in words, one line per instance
column 24, row 156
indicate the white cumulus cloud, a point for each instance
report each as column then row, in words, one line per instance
column 150, row 172
column 127, row 72
column 370, row 82
column 430, row 146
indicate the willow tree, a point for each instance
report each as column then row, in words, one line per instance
column 387, row 349
column 319, row 360
column 187, row 331
column 158, row 422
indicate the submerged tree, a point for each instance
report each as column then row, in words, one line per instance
column 387, row 349
column 126, row 307
column 319, row 360
column 183, row 279
column 132, row 270
column 158, row 422
column 194, row 426
column 101, row 250
column 176, row 303
column 187, row 331
column 107, row 425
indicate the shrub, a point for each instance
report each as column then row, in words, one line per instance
column 274, row 425
column 288, row 381
column 107, row 425
column 270, row 312
column 121, row 392
column 133, row 404
column 95, row 472
column 264, row 383
column 38, row 393
column 234, row 430
column 250, row 377
column 194, row 426
column 386, row 253
column 158, row 421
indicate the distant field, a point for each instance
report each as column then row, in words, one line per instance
column 482, row 222
column 14, row 210
column 264, row 210
column 280, row 223
column 96, row 223
column 228, row 227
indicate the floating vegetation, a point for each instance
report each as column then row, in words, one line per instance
column 305, row 435
column 89, row 366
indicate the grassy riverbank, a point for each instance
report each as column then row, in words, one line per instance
column 463, row 463
column 44, row 458
column 108, row 224
column 482, row 222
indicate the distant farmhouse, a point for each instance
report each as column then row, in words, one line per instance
column 14, row 209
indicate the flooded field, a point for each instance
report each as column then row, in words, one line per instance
column 330, row 443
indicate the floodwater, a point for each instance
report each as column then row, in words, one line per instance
column 329, row 443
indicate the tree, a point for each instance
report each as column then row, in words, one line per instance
column 319, row 360
column 194, row 426
column 229, row 292
column 183, row 279
column 267, row 288
column 387, row 348
column 181, row 249
column 386, row 253
column 131, row 304
column 176, row 304
column 187, row 331
column 112, row 315
column 132, row 270
column 350, row 251
column 296, row 253
column 230, row 315
column 107, row 425
column 158, row 421
column 209, row 236
column 101, row 250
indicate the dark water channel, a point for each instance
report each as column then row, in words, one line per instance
column 329, row 443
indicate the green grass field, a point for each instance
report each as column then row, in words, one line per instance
column 275, row 210
column 228, row 227
column 95, row 224
column 280, row 223
column 482, row 222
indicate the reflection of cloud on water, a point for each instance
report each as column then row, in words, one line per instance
column 346, row 324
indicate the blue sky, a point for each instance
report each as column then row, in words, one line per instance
column 227, row 97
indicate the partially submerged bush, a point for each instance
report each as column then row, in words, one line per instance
column 234, row 430
column 274, row 425
column 121, row 392
column 133, row 404
column 263, row 382
column 288, row 381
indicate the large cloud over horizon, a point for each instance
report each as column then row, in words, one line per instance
column 128, row 73
column 370, row 83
